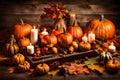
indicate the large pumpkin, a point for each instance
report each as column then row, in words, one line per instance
column 103, row 28
column 42, row 68
column 21, row 30
column 75, row 30
column 50, row 39
column 65, row 38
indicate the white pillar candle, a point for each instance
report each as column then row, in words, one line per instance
column 34, row 35
column 111, row 47
column 91, row 37
column 30, row 49
column 84, row 38
column 72, row 18
column 44, row 32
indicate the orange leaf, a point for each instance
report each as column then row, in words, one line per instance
column 11, row 69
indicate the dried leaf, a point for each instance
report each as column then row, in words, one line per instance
column 2, row 58
column 11, row 69
column 92, row 61
column 53, row 72
column 96, row 68
column 86, row 70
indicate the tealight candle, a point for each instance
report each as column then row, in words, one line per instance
column 111, row 47
column 84, row 38
column 34, row 36
column 91, row 37
column 30, row 49
column 44, row 32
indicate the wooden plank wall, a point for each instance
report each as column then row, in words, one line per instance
column 30, row 10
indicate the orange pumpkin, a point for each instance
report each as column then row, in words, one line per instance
column 65, row 39
column 24, row 42
column 21, row 30
column 75, row 30
column 50, row 39
column 103, row 28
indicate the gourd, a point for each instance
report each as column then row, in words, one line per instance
column 75, row 30
column 23, row 67
column 84, row 46
column 113, row 65
column 23, row 29
column 104, row 29
column 11, row 48
column 23, row 42
column 105, row 56
column 18, row 58
column 42, row 68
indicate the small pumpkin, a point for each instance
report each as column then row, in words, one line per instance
column 75, row 30
column 23, row 29
column 18, row 58
column 84, row 46
column 105, row 56
column 113, row 65
column 42, row 68
column 11, row 48
column 24, row 67
column 58, row 27
column 103, row 28
column 24, row 42
column 75, row 44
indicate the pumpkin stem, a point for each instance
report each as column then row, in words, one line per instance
column 75, row 23
column 72, row 18
column 11, row 42
column 101, row 17
column 22, row 22
column 113, row 61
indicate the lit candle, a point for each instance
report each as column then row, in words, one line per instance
column 72, row 18
column 44, row 32
column 111, row 47
column 34, row 36
column 30, row 49
column 84, row 38
column 91, row 37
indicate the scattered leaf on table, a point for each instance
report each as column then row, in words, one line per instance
column 53, row 72
column 11, row 69
column 86, row 70
column 30, row 71
column 98, row 68
column 92, row 61
column 2, row 58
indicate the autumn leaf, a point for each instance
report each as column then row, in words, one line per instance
column 96, row 68
column 2, row 58
column 11, row 69
column 93, row 60
column 86, row 71
column 53, row 72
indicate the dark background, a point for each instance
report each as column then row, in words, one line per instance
column 30, row 10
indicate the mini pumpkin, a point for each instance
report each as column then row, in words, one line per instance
column 11, row 48
column 84, row 46
column 113, row 65
column 42, row 68
column 103, row 28
column 105, row 56
column 18, row 58
column 24, row 42
column 23, row 29
column 24, row 67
